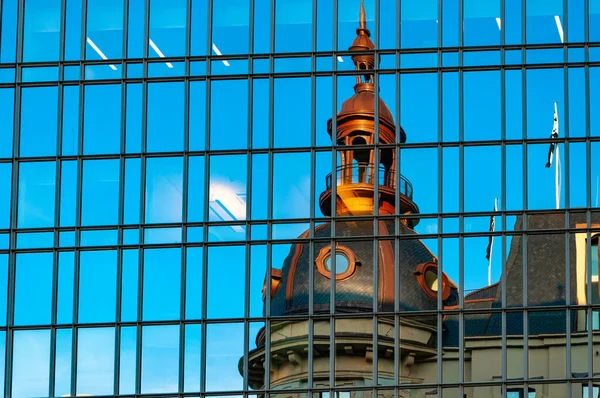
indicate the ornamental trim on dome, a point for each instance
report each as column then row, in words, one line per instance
column 325, row 254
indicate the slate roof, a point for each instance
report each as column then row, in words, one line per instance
column 545, row 247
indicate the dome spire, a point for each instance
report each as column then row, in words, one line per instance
column 362, row 42
column 363, row 19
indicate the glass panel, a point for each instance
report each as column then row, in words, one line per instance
column 197, row 114
column 412, row 107
column 5, row 193
column 33, row 289
column 228, row 97
column 227, row 196
column 39, row 109
column 229, row 24
column 167, row 28
column 194, row 283
column 198, row 28
column 482, row 106
column 41, row 35
column 291, row 184
column 37, row 182
column 66, row 280
column 162, row 284
column 481, row 23
column 31, row 346
column 544, row 21
column 127, row 368
column 419, row 23
column 193, row 352
column 95, row 361
column 68, row 193
column 133, row 119
column 160, row 359
column 104, row 29
column 8, row 31
column 293, row 26
column 62, row 370
column 164, row 179
column 131, row 205
column 7, row 101
column 224, row 348
column 100, row 196
column 129, row 285
column 292, row 112
column 3, row 287
column 165, row 116
column 97, row 286
column 102, row 119
column 195, row 211
column 226, row 283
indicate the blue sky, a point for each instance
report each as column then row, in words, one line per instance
column 164, row 178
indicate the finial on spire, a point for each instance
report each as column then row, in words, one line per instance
column 363, row 15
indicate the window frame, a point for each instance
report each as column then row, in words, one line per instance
column 326, row 252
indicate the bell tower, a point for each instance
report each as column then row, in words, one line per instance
column 354, row 137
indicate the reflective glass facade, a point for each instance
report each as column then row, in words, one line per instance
column 206, row 198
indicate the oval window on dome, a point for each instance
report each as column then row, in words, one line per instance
column 429, row 280
column 345, row 262
column 341, row 263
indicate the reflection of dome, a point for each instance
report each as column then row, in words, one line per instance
column 362, row 41
column 354, row 290
column 361, row 106
column 364, row 102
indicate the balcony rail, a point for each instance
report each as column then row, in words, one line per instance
column 364, row 174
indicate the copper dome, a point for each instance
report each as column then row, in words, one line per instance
column 356, row 293
column 362, row 42
column 363, row 102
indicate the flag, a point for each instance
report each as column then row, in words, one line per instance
column 488, row 251
column 554, row 135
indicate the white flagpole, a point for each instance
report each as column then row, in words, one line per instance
column 557, row 171
column 492, row 245
column 556, row 178
column 597, row 181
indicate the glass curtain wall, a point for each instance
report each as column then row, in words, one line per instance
column 167, row 170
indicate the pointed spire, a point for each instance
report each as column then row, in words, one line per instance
column 363, row 16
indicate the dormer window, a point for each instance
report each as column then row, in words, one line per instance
column 428, row 277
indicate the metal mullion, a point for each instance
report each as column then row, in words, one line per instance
column 440, row 201
column 567, row 200
column 312, row 195
column 14, row 204
column 397, row 204
column 248, row 246
column 206, row 192
column 184, row 207
column 57, row 197
column 143, row 164
column 525, row 195
column 503, row 165
column 333, row 211
column 122, row 164
column 588, row 180
column 183, row 280
column 461, row 165
column 124, row 50
column 376, row 161
column 140, row 294
column 271, row 139
column 78, row 202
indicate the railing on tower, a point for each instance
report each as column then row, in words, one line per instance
column 364, row 174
